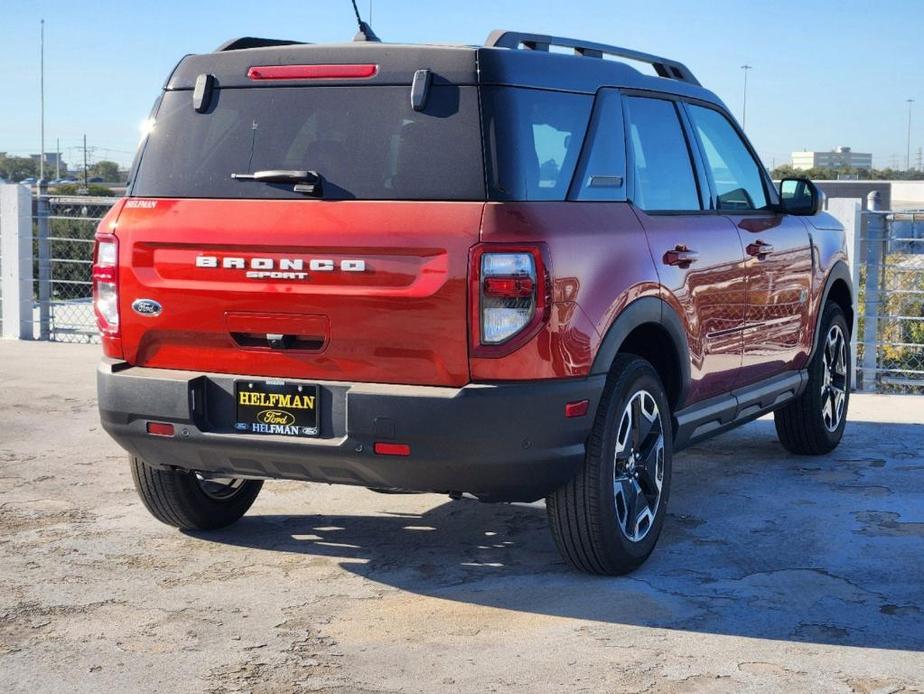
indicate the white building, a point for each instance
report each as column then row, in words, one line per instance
column 839, row 158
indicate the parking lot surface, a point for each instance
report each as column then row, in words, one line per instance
column 774, row 572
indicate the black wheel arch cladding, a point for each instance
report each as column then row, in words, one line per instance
column 655, row 312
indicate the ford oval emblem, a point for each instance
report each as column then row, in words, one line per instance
column 146, row 307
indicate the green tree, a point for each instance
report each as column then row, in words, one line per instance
column 17, row 168
column 107, row 170
column 829, row 174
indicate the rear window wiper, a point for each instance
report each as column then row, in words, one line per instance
column 308, row 182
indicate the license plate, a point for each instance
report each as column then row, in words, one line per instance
column 283, row 409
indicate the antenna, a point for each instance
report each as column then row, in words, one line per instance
column 365, row 32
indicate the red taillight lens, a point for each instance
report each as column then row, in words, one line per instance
column 509, row 287
column 106, row 283
column 510, row 294
column 311, row 72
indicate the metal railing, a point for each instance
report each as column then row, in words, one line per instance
column 63, row 229
column 890, row 301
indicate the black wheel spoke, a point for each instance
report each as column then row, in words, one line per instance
column 636, row 423
column 636, row 508
column 647, row 469
column 646, row 431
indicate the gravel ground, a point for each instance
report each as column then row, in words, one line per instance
column 774, row 572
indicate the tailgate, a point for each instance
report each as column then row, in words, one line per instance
column 371, row 291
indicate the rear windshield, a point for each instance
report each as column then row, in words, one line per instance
column 366, row 142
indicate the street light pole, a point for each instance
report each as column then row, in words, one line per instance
column 744, row 108
column 908, row 150
column 42, row 90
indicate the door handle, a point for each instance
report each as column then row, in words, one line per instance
column 759, row 249
column 681, row 256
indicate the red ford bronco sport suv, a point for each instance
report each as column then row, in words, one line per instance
column 499, row 270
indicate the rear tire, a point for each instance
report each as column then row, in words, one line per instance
column 813, row 423
column 189, row 501
column 607, row 519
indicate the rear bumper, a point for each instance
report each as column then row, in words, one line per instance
column 503, row 442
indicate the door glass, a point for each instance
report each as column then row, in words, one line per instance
column 662, row 170
column 737, row 178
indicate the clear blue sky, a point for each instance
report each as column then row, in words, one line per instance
column 826, row 72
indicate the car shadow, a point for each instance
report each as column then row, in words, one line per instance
column 757, row 543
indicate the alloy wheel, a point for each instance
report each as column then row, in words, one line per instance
column 834, row 378
column 219, row 488
column 639, row 466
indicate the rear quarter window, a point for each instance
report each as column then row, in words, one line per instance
column 533, row 140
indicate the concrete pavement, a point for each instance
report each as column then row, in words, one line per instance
column 774, row 572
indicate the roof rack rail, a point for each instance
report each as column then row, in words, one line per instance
column 245, row 42
column 671, row 69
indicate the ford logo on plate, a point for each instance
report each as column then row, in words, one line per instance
column 276, row 417
column 146, row 307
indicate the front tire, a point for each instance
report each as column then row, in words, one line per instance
column 190, row 501
column 813, row 423
column 607, row 519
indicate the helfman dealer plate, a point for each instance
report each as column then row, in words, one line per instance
column 283, row 409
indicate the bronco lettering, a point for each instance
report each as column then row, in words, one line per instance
column 262, row 265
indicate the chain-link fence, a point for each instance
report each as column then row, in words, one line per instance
column 63, row 229
column 890, row 334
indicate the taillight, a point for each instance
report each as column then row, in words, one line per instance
column 510, row 296
column 106, row 284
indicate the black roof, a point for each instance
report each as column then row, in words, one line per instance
column 508, row 58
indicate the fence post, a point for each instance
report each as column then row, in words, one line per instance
column 16, row 255
column 875, row 237
column 44, row 261
column 849, row 212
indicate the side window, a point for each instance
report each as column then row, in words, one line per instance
column 551, row 147
column 533, row 138
column 663, row 173
column 736, row 176
column 601, row 173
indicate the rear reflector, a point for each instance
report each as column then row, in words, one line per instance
column 311, row 72
column 160, row 429
column 382, row 448
column 577, row 409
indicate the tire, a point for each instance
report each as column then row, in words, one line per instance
column 813, row 423
column 187, row 501
column 590, row 516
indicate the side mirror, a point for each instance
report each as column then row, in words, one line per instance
column 799, row 196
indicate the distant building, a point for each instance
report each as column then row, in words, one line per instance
column 839, row 158
column 51, row 159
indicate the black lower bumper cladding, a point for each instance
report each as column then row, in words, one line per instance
column 501, row 442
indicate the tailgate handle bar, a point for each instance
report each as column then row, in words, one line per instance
column 279, row 341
